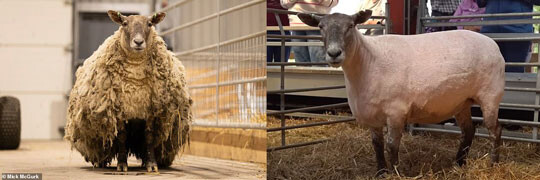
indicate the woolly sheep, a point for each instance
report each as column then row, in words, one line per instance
column 130, row 96
column 392, row 80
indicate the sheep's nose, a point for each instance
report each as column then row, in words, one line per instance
column 334, row 53
column 138, row 42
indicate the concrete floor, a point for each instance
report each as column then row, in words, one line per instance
column 55, row 160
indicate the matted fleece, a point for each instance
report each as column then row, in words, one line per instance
column 114, row 87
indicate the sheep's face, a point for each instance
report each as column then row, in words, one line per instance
column 338, row 32
column 135, row 29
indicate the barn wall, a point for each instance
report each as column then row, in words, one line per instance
column 35, row 59
column 36, row 45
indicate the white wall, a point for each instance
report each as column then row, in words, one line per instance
column 35, row 62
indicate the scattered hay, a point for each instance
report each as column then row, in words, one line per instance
column 350, row 155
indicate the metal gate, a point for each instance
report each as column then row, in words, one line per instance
column 522, row 91
column 222, row 45
column 283, row 64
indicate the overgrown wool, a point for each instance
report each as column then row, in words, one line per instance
column 114, row 86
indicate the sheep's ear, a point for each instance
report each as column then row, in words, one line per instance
column 157, row 18
column 310, row 19
column 116, row 16
column 361, row 16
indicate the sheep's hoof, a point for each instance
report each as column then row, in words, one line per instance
column 101, row 165
column 122, row 167
column 152, row 167
column 381, row 173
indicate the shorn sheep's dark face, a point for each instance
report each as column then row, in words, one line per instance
column 135, row 29
column 337, row 32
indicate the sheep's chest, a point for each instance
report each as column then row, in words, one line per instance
column 135, row 92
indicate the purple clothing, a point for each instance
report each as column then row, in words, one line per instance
column 467, row 7
column 270, row 17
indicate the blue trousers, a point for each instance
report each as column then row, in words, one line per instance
column 308, row 53
column 273, row 53
column 515, row 52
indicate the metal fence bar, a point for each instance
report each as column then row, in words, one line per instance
column 262, row 33
column 388, row 22
column 293, row 37
column 522, row 89
column 457, row 131
column 309, row 28
column 483, row 23
column 296, row 145
column 311, row 124
column 302, row 63
column 306, row 89
column 314, row 108
column 172, row 6
column 522, row 64
column 517, row 39
column 309, row 43
column 281, row 80
column 206, row 18
column 293, row 64
column 420, row 13
column 229, row 125
column 482, row 16
column 228, row 83
column 528, row 106
column 281, row 11
column 218, row 67
column 510, row 121
column 536, row 100
column 513, row 36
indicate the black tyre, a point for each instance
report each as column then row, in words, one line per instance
column 10, row 123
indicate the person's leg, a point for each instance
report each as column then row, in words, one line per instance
column 515, row 52
column 270, row 53
column 272, row 50
column 301, row 53
column 316, row 53
column 277, row 53
column 287, row 48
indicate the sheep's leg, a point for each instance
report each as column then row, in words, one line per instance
column 464, row 121
column 122, row 151
column 151, row 165
column 377, row 139
column 490, row 111
column 395, row 130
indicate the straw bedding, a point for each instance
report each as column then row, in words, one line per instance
column 114, row 88
column 350, row 155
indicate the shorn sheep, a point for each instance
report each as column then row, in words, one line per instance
column 392, row 80
column 130, row 98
